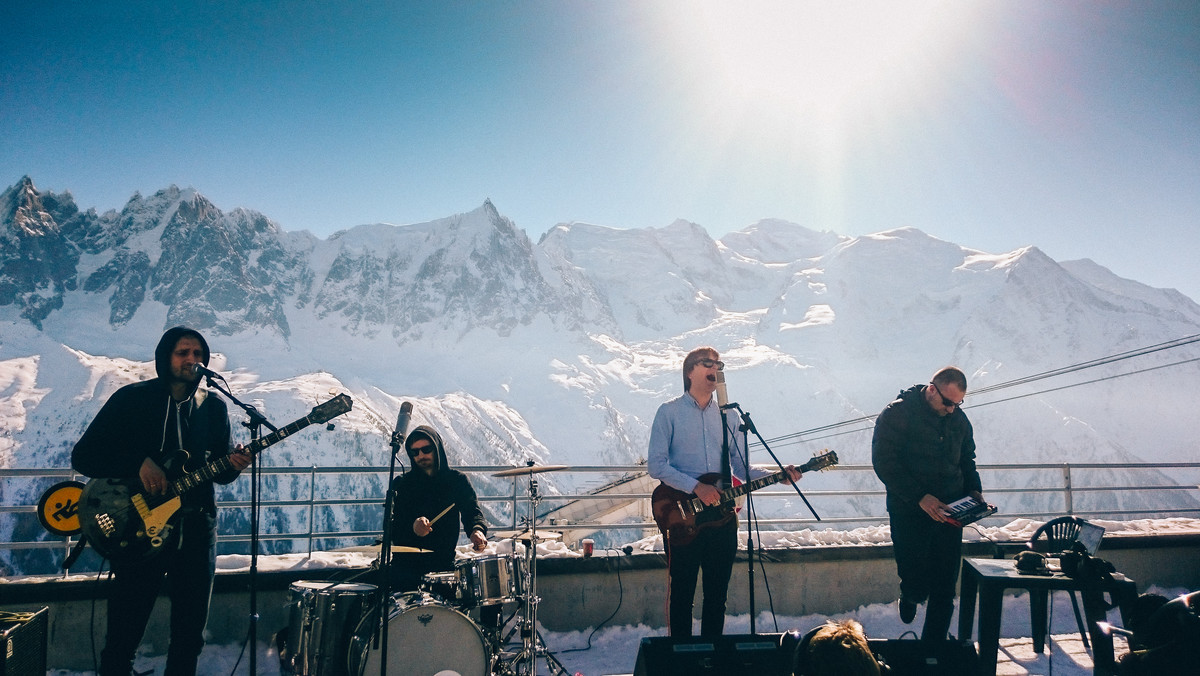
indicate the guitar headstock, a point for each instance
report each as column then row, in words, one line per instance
column 820, row 461
column 331, row 409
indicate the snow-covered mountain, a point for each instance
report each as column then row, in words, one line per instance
column 561, row 351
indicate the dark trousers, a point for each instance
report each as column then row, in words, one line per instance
column 713, row 550
column 188, row 570
column 928, row 558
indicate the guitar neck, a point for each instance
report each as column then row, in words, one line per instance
column 735, row 492
column 222, row 465
column 822, row 461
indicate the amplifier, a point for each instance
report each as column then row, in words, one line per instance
column 23, row 644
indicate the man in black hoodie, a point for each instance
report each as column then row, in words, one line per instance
column 923, row 450
column 152, row 429
column 428, row 502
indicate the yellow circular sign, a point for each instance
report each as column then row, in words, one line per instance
column 58, row 509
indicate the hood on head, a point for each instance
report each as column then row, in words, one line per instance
column 427, row 432
column 166, row 345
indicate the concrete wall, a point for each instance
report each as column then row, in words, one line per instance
column 581, row 593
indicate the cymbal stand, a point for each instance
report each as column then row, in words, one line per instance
column 532, row 644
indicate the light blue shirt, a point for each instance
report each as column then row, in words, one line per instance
column 685, row 443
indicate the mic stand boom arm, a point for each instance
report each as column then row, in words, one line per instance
column 749, row 425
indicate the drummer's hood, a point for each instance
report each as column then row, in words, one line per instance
column 427, row 432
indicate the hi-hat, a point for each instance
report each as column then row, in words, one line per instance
column 529, row 469
column 526, row 535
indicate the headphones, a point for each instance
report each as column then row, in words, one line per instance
column 1033, row 563
column 800, row 656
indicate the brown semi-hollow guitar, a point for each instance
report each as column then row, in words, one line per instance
column 681, row 516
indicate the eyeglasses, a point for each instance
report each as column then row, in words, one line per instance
column 421, row 450
column 948, row 403
column 709, row 363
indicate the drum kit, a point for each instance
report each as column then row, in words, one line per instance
column 454, row 624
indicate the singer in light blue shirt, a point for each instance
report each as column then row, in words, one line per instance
column 685, row 444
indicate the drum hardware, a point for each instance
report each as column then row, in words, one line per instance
column 532, row 644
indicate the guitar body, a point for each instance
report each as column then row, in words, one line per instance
column 682, row 516
column 123, row 523
column 676, row 516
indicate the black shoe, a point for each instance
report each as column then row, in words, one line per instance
column 908, row 610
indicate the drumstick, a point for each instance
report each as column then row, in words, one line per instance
column 434, row 519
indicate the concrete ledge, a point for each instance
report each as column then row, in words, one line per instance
column 580, row 593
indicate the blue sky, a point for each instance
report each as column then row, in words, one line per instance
column 1072, row 126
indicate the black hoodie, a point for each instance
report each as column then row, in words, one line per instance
column 419, row 494
column 141, row 421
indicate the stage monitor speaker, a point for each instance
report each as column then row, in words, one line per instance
column 23, row 643
column 918, row 658
column 734, row 655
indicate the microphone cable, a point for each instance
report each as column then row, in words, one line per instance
column 620, row 600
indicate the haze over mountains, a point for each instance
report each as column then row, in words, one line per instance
column 561, row 350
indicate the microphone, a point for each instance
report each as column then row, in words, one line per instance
column 722, row 394
column 402, row 421
column 202, row 370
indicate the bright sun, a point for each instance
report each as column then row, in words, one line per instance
column 810, row 88
column 827, row 64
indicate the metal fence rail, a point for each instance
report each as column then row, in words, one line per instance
column 1061, row 483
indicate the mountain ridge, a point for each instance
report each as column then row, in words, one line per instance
column 561, row 351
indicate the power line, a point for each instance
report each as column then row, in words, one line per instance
column 805, row 435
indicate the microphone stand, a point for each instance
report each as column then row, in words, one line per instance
column 385, row 556
column 725, row 435
column 746, row 427
column 750, row 515
column 254, row 423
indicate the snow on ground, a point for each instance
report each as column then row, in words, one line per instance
column 613, row 650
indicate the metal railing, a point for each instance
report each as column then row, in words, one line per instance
column 1052, row 489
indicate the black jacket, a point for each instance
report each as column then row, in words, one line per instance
column 418, row 494
column 139, row 421
column 915, row 451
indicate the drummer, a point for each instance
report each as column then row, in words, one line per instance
column 429, row 502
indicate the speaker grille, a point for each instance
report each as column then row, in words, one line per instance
column 23, row 646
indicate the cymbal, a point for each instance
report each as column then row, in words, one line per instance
column 526, row 535
column 396, row 549
column 530, row 469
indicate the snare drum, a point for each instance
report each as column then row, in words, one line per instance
column 424, row 636
column 490, row 580
column 322, row 617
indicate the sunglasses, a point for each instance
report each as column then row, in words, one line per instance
column 709, row 363
column 422, row 450
column 948, row 403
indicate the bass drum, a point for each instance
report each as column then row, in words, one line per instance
column 425, row 637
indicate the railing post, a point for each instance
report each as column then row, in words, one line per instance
column 1069, row 494
column 514, row 504
column 312, row 496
